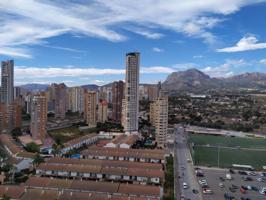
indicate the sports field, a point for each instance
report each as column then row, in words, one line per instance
column 244, row 151
column 256, row 143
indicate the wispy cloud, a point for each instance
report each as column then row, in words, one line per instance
column 63, row 48
column 245, row 44
column 198, row 56
column 23, row 24
column 158, row 50
column 226, row 69
column 73, row 71
column 146, row 33
column 263, row 61
column 184, row 66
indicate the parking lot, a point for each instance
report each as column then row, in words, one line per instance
column 212, row 176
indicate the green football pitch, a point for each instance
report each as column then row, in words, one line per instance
column 225, row 151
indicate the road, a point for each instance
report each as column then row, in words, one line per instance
column 185, row 169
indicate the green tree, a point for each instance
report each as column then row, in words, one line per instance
column 38, row 159
column 33, row 147
column 16, row 132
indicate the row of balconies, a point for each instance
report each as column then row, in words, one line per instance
column 99, row 176
column 132, row 159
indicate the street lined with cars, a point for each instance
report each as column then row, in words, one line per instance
column 186, row 177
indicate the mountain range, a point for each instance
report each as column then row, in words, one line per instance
column 192, row 80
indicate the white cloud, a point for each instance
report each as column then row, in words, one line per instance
column 184, row 66
column 15, row 52
column 146, row 33
column 63, row 48
column 226, row 69
column 158, row 50
column 263, row 61
column 23, row 24
column 156, row 70
column 245, row 44
column 78, row 72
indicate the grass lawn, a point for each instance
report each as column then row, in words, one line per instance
column 255, row 143
column 169, row 180
column 65, row 134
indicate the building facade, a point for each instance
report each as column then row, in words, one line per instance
column 60, row 99
column 117, row 98
column 102, row 111
column 90, row 108
column 159, row 119
column 132, row 93
column 38, row 117
column 75, row 99
column 7, row 82
column 152, row 92
column 10, row 109
column 9, row 117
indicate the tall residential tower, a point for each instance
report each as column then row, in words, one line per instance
column 38, row 117
column 7, row 82
column 117, row 97
column 132, row 93
column 90, row 108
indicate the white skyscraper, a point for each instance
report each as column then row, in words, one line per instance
column 132, row 93
column 7, row 82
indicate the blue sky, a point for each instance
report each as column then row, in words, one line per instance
column 85, row 41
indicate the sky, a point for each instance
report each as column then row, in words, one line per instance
column 85, row 41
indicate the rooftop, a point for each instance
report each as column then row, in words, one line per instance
column 92, row 186
column 118, row 152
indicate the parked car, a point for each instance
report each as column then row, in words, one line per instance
column 243, row 190
column 195, row 191
column 254, row 188
column 228, row 176
column 263, row 174
column 221, row 185
column 234, row 186
column 185, row 185
column 263, row 191
column 232, row 189
column 251, row 173
column 199, row 173
column 203, row 182
column 249, row 187
column 207, row 191
column 242, row 173
column 231, row 171
column 221, row 179
column 261, row 179
column 244, row 187
column 246, row 178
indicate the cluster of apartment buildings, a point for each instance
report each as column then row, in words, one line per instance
column 93, row 105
